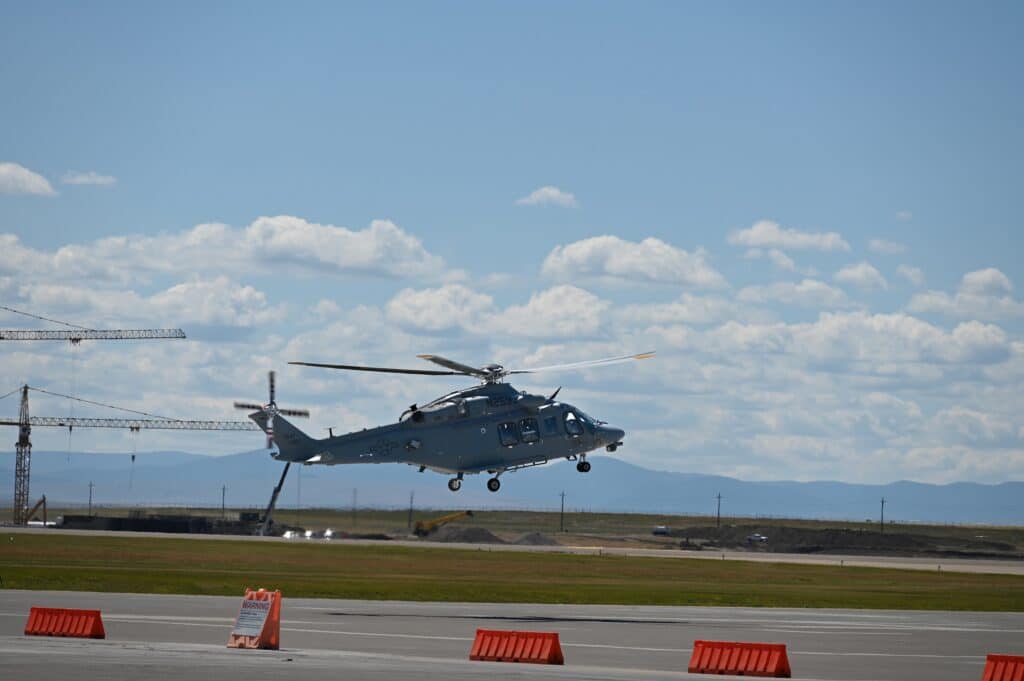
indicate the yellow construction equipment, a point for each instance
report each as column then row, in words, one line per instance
column 425, row 527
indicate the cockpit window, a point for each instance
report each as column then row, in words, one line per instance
column 573, row 426
column 529, row 431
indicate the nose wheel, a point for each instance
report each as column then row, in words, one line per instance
column 455, row 484
column 494, row 484
column 583, row 466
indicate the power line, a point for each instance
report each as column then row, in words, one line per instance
column 10, row 393
column 45, row 319
column 101, row 404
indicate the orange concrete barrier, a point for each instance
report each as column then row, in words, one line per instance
column 64, row 622
column 258, row 624
column 740, row 659
column 534, row 647
column 1004, row 668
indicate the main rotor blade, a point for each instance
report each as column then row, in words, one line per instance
column 383, row 370
column 248, row 405
column 271, row 382
column 584, row 365
column 302, row 413
column 459, row 367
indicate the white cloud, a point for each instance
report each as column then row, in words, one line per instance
column 886, row 247
column 687, row 309
column 215, row 302
column 781, row 260
column 840, row 339
column 912, row 274
column 326, row 310
column 986, row 282
column 270, row 243
column 807, row 293
column 548, row 196
column 863, row 276
column 847, row 394
column 973, row 426
column 768, row 234
column 650, row 260
column 983, row 294
column 437, row 309
column 904, row 215
column 17, row 179
column 559, row 312
column 210, row 302
column 91, row 177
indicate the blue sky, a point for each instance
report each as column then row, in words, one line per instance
column 738, row 136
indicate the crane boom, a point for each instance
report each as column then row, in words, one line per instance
column 133, row 424
column 75, row 335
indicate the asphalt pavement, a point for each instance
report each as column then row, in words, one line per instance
column 183, row 637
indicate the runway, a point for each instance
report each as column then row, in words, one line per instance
column 950, row 564
column 181, row 637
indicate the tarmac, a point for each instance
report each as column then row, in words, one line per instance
column 184, row 637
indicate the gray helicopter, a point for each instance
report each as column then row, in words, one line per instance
column 490, row 427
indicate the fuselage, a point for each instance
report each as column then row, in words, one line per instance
column 491, row 427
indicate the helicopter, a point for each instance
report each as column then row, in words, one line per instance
column 489, row 427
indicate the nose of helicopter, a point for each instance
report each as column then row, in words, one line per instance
column 612, row 435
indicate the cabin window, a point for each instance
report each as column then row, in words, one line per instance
column 508, row 434
column 551, row 426
column 529, row 431
column 573, row 425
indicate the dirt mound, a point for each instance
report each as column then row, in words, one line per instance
column 536, row 539
column 467, row 535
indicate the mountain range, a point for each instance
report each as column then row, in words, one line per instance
column 192, row 480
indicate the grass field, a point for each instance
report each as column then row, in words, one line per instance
column 341, row 570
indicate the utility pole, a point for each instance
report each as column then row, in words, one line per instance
column 90, row 497
column 412, row 494
column 561, row 518
column 223, row 494
column 881, row 520
column 718, row 513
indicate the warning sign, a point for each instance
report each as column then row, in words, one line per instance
column 251, row 618
column 259, row 621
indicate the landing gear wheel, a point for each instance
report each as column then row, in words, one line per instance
column 454, row 484
column 494, row 484
column 583, row 466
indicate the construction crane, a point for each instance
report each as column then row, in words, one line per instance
column 77, row 333
column 427, row 527
column 24, row 445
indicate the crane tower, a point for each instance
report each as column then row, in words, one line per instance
column 23, row 449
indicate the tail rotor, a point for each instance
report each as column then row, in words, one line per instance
column 271, row 409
